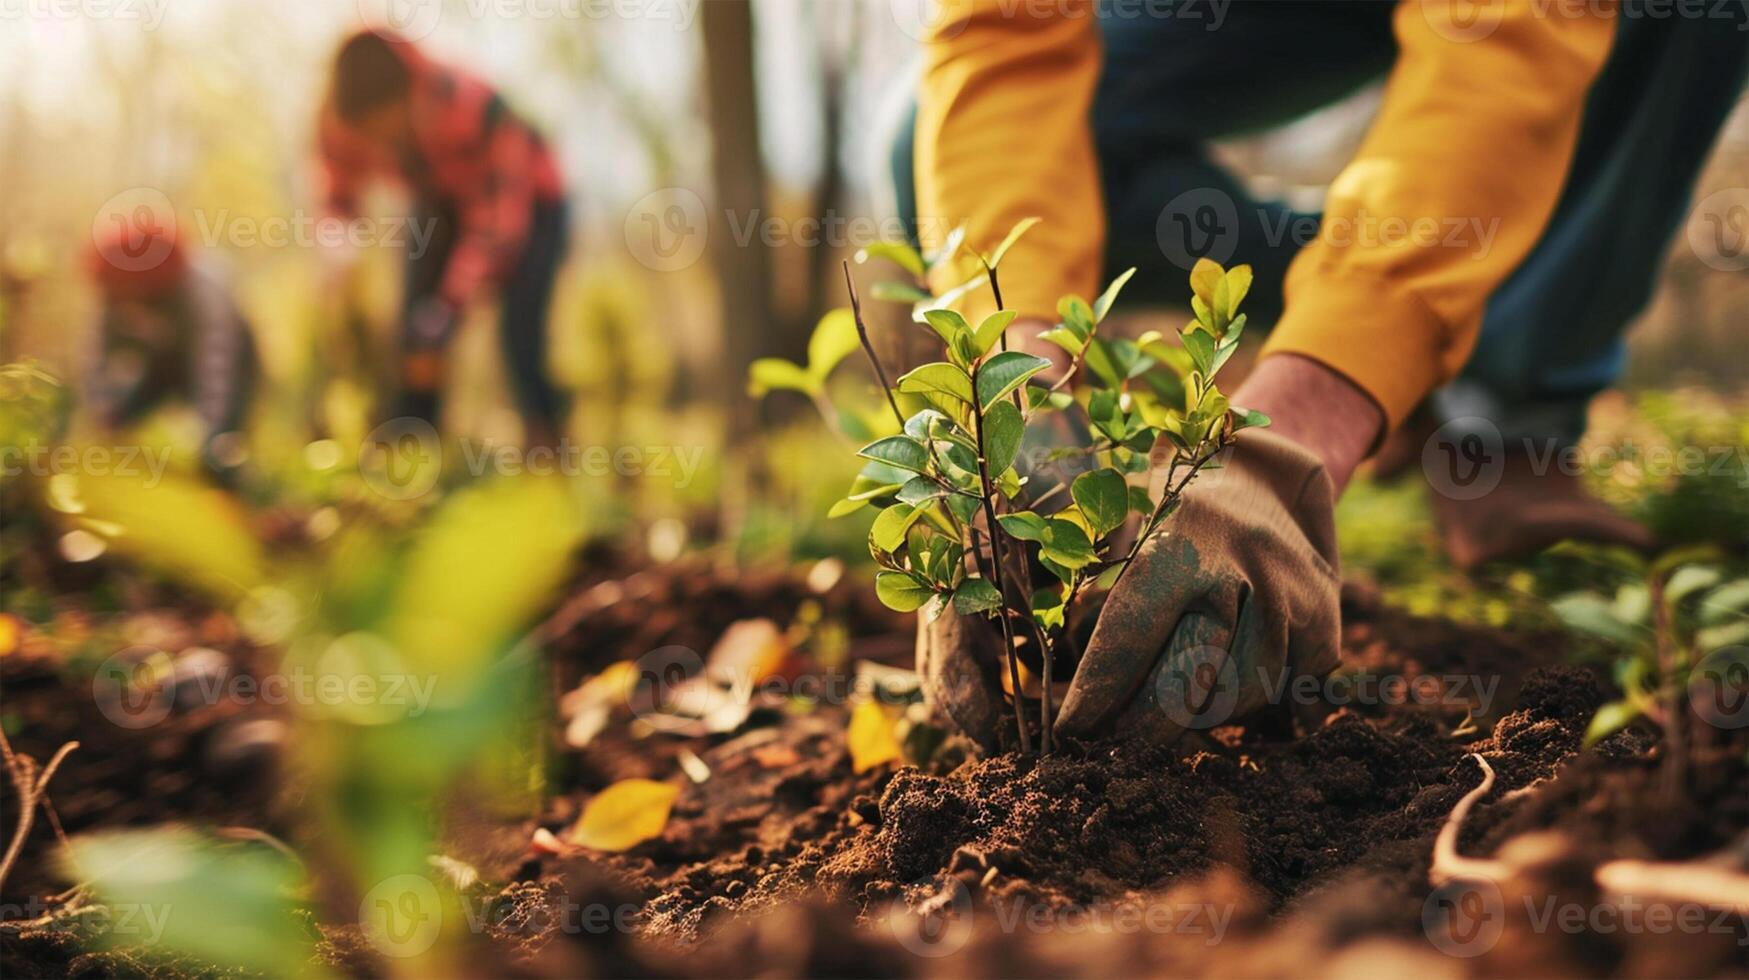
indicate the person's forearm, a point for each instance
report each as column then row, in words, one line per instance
column 1317, row 408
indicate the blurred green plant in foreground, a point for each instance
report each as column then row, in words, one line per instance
column 412, row 636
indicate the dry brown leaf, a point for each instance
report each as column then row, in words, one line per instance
column 625, row 815
column 748, row 652
column 592, row 705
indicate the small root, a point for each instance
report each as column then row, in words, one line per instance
column 1689, row 882
column 1448, row 864
column 1676, row 883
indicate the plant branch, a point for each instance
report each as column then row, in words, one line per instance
column 996, row 561
column 874, row 360
column 1044, row 650
column 31, row 784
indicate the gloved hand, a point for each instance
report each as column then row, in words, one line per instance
column 1236, row 587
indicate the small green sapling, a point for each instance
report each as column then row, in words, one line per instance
column 949, row 481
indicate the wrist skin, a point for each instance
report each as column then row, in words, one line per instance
column 1317, row 408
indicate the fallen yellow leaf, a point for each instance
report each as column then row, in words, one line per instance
column 870, row 736
column 625, row 815
column 8, row 634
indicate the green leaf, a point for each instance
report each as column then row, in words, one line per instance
column 770, row 374
column 1025, row 525
column 901, row 451
column 1003, row 429
column 1609, row 719
column 1238, row 283
column 899, row 253
column 1102, row 305
column 1005, row 372
column 976, row 595
column 888, row 531
column 901, row 592
column 1048, row 608
column 1248, row 418
column 947, row 324
column 918, row 489
column 1103, row 497
column 1064, row 338
column 939, row 378
column 833, row 339
column 1014, row 235
column 1202, row 351
column 1067, row 545
column 845, row 507
column 1724, row 602
column 230, row 906
column 1140, row 502
column 1077, row 316
column 1591, row 614
column 898, row 292
column 990, row 331
column 1204, row 277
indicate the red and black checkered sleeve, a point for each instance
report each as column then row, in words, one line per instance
column 494, row 219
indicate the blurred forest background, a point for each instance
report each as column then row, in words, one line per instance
column 697, row 138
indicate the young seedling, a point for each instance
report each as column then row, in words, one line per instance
column 1680, row 632
column 950, row 482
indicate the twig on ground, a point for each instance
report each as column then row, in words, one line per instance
column 31, row 784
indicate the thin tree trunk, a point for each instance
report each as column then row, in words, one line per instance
column 743, row 270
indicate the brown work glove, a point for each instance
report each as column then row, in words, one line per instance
column 1237, row 587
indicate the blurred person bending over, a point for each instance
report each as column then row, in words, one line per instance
column 489, row 211
column 1474, row 269
column 168, row 328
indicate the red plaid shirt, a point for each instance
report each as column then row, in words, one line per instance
column 470, row 153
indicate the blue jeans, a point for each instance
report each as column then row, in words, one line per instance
column 524, row 297
column 1552, row 335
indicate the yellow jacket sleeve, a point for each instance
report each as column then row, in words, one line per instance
column 1003, row 134
column 1451, row 188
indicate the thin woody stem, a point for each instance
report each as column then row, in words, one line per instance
column 874, row 360
column 1044, row 648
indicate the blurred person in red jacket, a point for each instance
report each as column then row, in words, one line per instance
column 168, row 327
column 489, row 209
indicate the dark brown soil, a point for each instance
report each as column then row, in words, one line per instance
column 1250, row 851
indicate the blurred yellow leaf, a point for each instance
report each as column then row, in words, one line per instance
column 191, row 532
column 485, row 565
column 625, row 815
column 8, row 634
column 870, row 736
